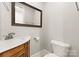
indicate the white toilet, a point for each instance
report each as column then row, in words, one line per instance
column 60, row 49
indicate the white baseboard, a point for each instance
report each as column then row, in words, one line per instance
column 40, row 53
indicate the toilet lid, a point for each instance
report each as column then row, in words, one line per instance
column 50, row 55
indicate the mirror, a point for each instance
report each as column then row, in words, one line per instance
column 24, row 14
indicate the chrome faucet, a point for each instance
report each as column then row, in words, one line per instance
column 9, row 36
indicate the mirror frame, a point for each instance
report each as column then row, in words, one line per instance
column 18, row 24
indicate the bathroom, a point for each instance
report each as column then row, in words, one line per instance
column 59, row 21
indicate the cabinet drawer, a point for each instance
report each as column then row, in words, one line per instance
column 13, row 51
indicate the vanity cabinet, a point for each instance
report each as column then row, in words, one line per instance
column 19, row 51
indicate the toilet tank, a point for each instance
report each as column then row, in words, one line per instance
column 60, row 48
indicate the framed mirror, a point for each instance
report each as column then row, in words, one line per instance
column 24, row 14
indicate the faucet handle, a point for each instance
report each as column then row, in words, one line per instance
column 11, row 33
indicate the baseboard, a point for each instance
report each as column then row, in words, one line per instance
column 40, row 53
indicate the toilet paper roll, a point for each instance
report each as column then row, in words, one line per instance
column 36, row 38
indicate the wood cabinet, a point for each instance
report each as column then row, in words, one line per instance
column 19, row 51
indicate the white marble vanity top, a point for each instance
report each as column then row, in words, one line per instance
column 12, row 43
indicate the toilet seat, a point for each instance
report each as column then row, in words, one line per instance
column 50, row 55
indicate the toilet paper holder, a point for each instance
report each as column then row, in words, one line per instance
column 36, row 38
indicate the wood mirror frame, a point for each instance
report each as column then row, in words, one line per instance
column 13, row 23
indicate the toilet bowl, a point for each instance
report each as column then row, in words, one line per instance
column 60, row 49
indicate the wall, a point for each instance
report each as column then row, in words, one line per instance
column 71, row 26
column 19, row 31
column 53, row 23
column 62, row 23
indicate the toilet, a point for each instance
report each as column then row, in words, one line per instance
column 60, row 49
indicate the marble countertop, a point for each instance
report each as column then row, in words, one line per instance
column 12, row 43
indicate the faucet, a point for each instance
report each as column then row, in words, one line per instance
column 9, row 36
